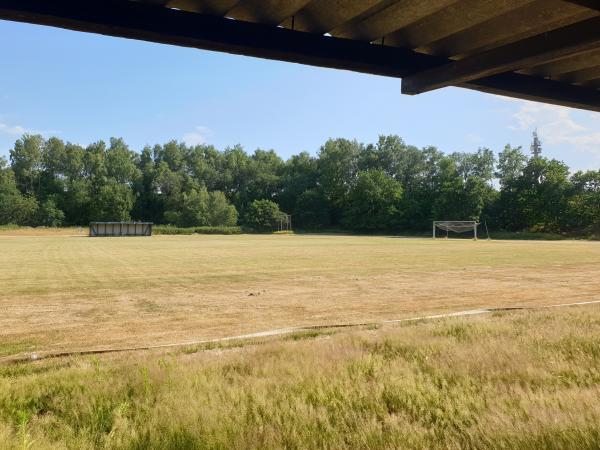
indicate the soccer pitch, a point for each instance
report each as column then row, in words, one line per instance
column 62, row 293
column 520, row 379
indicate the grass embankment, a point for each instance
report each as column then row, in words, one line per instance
column 512, row 380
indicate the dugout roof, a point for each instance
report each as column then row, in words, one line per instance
column 543, row 50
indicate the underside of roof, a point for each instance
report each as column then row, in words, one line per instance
column 543, row 50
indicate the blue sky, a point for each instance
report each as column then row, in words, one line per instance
column 83, row 87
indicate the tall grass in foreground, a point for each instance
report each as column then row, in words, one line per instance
column 519, row 380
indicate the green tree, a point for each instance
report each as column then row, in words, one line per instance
column 120, row 163
column 149, row 205
column 422, row 188
column 338, row 165
column 404, row 163
column 61, row 183
column 506, row 212
column 15, row 208
column 193, row 210
column 300, row 174
column 220, row 211
column 475, row 165
column 263, row 215
column 265, row 181
column 53, row 175
column 237, row 170
column 112, row 202
column 583, row 209
column 49, row 214
column 311, row 210
column 203, row 208
column 94, row 161
column 373, row 202
column 26, row 163
column 542, row 194
column 77, row 202
column 457, row 197
column 511, row 162
column 348, row 183
column 73, row 163
column 203, row 163
column 172, row 154
column 462, row 200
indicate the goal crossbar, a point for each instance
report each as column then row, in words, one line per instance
column 456, row 226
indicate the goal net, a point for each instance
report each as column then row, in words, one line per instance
column 456, row 226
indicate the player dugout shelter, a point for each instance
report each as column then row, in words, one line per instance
column 543, row 50
column 103, row 229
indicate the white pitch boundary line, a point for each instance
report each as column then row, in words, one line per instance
column 284, row 331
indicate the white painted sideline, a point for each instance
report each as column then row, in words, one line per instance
column 280, row 332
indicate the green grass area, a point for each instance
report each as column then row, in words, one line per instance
column 511, row 380
column 9, row 227
column 8, row 348
column 530, row 236
column 168, row 229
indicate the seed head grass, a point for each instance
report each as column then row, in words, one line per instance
column 518, row 380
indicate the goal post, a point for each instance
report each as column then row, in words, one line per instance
column 456, row 226
column 285, row 222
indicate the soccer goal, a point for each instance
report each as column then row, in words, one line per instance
column 285, row 223
column 456, row 226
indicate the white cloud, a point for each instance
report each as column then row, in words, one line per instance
column 18, row 130
column 553, row 122
column 15, row 130
column 198, row 136
column 559, row 126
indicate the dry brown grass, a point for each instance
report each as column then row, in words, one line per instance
column 521, row 380
column 75, row 292
column 10, row 230
column 525, row 380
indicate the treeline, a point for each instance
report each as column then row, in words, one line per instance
column 388, row 185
